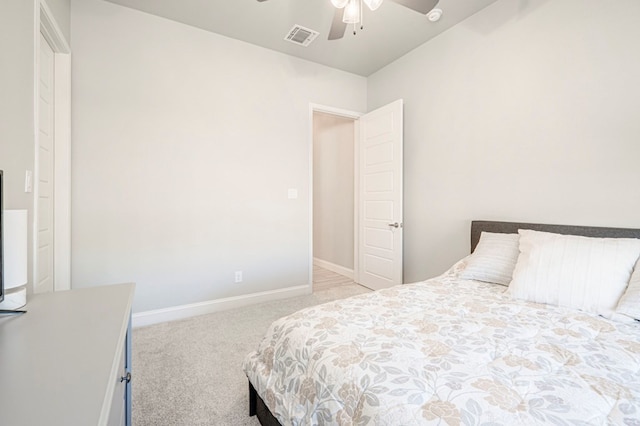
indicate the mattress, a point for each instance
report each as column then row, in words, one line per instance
column 447, row 351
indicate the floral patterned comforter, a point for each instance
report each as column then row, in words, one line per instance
column 447, row 351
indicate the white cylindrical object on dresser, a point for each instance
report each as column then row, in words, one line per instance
column 14, row 234
column 14, row 299
column 15, row 248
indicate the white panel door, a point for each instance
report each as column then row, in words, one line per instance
column 380, row 197
column 44, row 191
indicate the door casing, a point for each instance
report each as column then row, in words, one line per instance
column 46, row 25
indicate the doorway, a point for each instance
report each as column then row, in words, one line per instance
column 373, row 254
column 333, row 200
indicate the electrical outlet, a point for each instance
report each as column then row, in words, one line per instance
column 238, row 276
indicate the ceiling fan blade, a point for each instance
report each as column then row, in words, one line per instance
column 420, row 6
column 337, row 26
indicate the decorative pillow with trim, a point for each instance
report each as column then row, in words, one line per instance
column 590, row 274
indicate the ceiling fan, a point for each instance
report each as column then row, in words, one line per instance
column 350, row 12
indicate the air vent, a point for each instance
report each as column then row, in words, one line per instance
column 301, row 35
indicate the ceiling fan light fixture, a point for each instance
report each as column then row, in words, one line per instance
column 373, row 4
column 352, row 12
column 339, row 3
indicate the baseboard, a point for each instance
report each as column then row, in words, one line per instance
column 173, row 313
column 333, row 267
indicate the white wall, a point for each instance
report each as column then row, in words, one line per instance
column 526, row 111
column 17, row 65
column 333, row 198
column 184, row 146
column 16, row 101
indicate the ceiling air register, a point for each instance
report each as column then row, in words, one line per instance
column 301, row 36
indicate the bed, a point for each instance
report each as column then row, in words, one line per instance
column 453, row 350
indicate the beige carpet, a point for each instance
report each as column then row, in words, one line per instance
column 189, row 372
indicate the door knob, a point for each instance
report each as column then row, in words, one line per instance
column 395, row 225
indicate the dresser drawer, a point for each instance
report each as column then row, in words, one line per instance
column 117, row 413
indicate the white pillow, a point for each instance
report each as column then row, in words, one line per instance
column 590, row 274
column 629, row 303
column 493, row 259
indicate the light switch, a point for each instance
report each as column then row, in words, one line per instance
column 28, row 181
column 293, row 193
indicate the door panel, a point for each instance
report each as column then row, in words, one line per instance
column 379, row 182
column 380, row 195
column 45, row 172
column 378, row 239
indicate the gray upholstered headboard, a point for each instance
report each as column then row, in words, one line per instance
column 477, row 226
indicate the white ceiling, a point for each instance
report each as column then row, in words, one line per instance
column 389, row 32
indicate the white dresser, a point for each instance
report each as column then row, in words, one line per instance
column 67, row 361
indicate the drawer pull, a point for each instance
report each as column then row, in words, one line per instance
column 126, row 378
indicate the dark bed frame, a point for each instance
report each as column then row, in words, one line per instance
column 478, row 226
column 257, row 407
